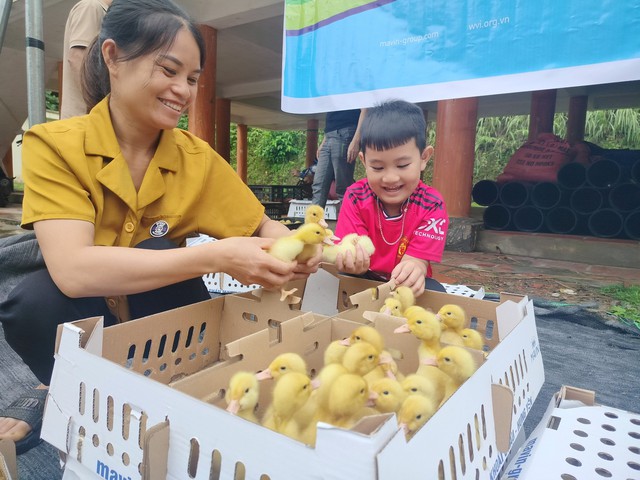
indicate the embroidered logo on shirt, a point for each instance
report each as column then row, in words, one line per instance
column 402, row 248
column 159, row 229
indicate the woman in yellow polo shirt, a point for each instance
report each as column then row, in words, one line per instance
column 123, row 176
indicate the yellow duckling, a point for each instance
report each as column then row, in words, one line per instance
column 360, row 358
column 453, row 318
column 387, row 366
column 415, row 384
column 457, row 362
column 347, row 398
column 242, row 395
column 315, row 214
column 425, row 326
column 289, row 247
column 283, row 363
column 386, row 395
column 347, row 244
column 472, row 339
column 416, row 410
column 392, row 306
column 290, row 393
column 405, row 295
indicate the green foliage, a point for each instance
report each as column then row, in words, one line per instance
column 183, row 123
column 277, row 147
column 52, row 100
column 628, row 308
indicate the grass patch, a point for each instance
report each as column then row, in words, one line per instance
column 18, row 187
column 628, row 308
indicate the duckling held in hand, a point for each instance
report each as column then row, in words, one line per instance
column 289, row 247
column 457, row 362
column 347, row 244
column 242, row 395
column 453, row 318
column 283, row 363
column 416, row 410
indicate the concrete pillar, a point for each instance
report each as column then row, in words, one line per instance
column 202, row 120
column 241, row 151
column 543, row 108
column 455, row 153
column 312, row 141
column 7, row 162
column 60, row 65
column 577, row 118
column 223, row 128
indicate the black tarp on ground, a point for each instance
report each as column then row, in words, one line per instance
column 578, row 349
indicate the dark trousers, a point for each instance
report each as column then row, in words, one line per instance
column 36, row 306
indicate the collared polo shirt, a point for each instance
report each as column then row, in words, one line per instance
column 74, row 169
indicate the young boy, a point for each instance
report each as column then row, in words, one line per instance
column 406, row 219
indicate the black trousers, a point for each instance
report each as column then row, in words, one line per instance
column 36, row 306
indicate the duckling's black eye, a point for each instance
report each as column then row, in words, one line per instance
column 362, row 390
column 447, row 359
column 283, row 368
column 358, row 337
column 418, row 417
column 246, row 390
column 386, row 392
column 305, row 387
column 414, row 389
column 419, row 322
column 370, row 357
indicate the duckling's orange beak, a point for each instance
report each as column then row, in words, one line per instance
column 264, row 375
column 345, row 341
column 431, row 361
column 402, row 329
column 233, row 407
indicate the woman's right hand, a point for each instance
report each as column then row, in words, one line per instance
column 247, row 260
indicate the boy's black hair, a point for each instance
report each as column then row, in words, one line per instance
column 138, row 27
column 391, row 124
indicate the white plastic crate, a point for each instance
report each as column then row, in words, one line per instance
column 464, row 290
column 297, row 208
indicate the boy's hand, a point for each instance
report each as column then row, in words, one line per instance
column 410, row 272
column 345, row 262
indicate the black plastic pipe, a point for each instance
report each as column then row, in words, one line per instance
column 632, row 225
column 561, row 220
column 606, row 223
column 485, row 192
column 528, row 219
column 497, row 217
column 586, row 200
column 625, row 197
column 514, row 194
column 604, row 173
column 545, row 195
column 572, row 175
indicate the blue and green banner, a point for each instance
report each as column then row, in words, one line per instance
column 341, row 54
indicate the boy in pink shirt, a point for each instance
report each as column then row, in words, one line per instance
column 406, row 219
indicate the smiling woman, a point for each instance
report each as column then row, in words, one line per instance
column 112, row 195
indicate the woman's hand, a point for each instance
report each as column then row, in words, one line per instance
column 303, row 270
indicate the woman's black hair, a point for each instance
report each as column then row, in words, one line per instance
column 391, row 124
column 138, row 27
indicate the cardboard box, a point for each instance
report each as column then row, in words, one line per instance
column 140, row 400
column 579, row 439
column 8, row 466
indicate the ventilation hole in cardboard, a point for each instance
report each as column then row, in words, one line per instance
column 126, row 420
column 524, row 359
column 477, row 429
column 513, row 382
column 580, row 433
column 603, row 472
column 177, row 361
column 96, row 405
column 240, row 471
column 205, row 351
column 470, row 442
column 610, row 414
column 489, row 329
column 222, row 393
column 250, row 317
column 176, row 342
column 82, row 398
column 573, row 461
column 203, row 329
column 264, row 476
column 312, row 348
column 634, row 465
column 147, row 349
column 490, row 451
column 635, row 450
column 463, row 464
column 515, row 366
column 477, row 474
column 216, row 465
column 189, row 339
column 473, row 323
column 143, row 429
column 125, row 459
column 635, row 435
column 567, row 476
column 82, row 432
column 584, row 421
column 110, row 413
column 553, row 423
column 608, row 428
column 608, row 441
column 635, row 421
column 110, row 449
column 605, row 456
column 147, row 372
column 506, row 379
column 95, row 440
column 162, row 367
column 519, row 402
column 521, row 369
column 452, row 463
column 344, row 296
column 163, row 343
column 194, row 453
column 515, row 409
column 140, row 468
column 484, row 423
column 577, row 446
column 484, row 463
column 192, row 356
column 440, row 470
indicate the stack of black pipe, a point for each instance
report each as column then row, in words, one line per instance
column 602, row 200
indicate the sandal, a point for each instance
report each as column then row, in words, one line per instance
column 30, row 409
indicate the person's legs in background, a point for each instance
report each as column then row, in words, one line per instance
column 324, row 174
column 343, row 169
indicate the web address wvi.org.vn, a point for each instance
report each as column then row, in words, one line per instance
column 493, row 23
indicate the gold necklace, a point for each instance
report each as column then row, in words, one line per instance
column 404, row 216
